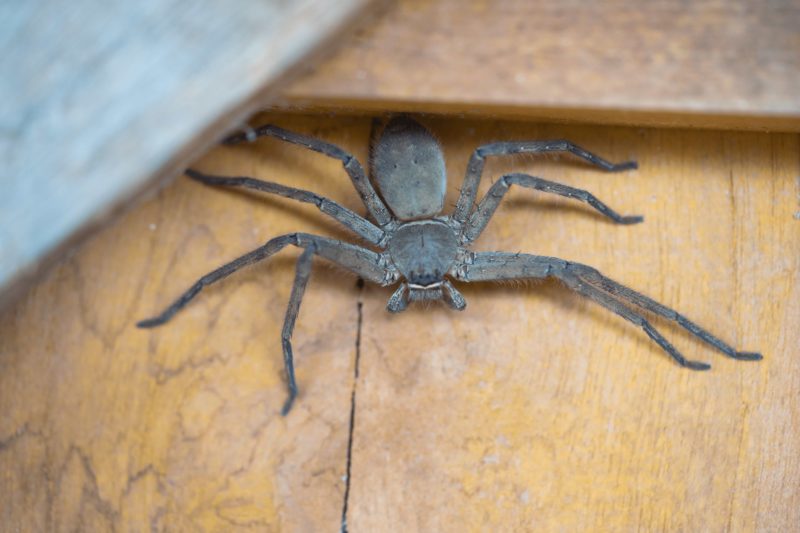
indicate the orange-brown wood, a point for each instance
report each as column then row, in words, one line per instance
column 706, row 63
column 531, row 410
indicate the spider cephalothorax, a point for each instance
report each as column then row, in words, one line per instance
column 422, row 250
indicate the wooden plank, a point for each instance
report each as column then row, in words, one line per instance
column 711, row 63
column 99, row 101
column 532, row 409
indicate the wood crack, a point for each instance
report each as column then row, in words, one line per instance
column 352, row 425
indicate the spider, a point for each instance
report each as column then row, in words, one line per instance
column 422, row 250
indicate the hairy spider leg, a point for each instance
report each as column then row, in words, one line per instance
column 488, row 205
column 355, row 223
column 574, row 283
column 469, row 189
column 491, row 266
column 369, row 197
column 302, row 273
column 594, row 277
column 362, row 262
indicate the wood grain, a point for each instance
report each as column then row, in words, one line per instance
column 732, row 64
column 530, row 410
column 101, row 101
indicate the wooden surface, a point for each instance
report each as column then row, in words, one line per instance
column 102, row 100
column 532, row 410
column 710, row 63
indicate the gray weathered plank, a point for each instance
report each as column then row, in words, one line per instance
column 100, row 99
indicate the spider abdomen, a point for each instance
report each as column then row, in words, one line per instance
column 409, row 170
column 424, row 251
